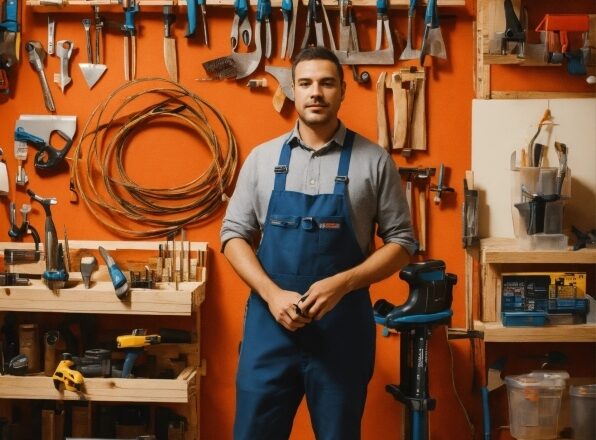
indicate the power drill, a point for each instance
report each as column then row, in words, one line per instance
column 66, row 376
column 430, row 292
column 133, row 346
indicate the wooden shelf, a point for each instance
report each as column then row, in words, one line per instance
column 495, row 256
column 179, row 390
column 168, row 298
column 165, row 299
column 497, row 253
column 490, row 19
column 401, row 4
column 101, row 299
column 508, row 250
column 496, row 332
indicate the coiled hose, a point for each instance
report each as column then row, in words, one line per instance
column 99, row 177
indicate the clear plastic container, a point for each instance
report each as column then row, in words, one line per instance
column 583, row 411
column 539, row 226
column 534, row 404
column 544, row 242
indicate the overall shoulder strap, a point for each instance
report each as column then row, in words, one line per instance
column 281, row 169
column 341, row 180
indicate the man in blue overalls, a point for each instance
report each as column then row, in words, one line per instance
column 310, row 201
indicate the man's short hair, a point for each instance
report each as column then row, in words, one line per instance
column 317, row 53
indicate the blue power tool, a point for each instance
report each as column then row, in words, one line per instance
column 118, row 278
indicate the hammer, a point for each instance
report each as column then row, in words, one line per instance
column 424, row 175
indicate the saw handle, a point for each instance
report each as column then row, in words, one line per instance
column 48, row 157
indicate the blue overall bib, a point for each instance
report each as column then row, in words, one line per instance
column 306, row 238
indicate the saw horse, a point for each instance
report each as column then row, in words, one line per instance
column 428, row 305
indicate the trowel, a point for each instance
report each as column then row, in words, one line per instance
column 432, row 41
column 409, row 53
column 92, row 71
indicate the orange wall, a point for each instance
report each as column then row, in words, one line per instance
column 253, row 120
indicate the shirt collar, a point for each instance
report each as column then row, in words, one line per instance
column 336, row 141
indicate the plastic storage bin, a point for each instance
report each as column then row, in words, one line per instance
column 583, row 411
column 534, row 404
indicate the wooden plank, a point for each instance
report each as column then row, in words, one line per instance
column 496, row 332
column 417, row 127
column 481, row 71
column 100, row 389
column 528, row 94
column 108, row 245
column 506, row 250
column 471, row 255
column 401, row 4
column 490, row 277
column 101, row 299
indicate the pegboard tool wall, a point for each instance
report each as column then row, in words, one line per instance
column 167, row 156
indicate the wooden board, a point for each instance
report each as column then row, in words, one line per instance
column 168, row 298
column 178, row 390
column 102, row 299
column 275, row 3
column 496, row 332
column 408, row 133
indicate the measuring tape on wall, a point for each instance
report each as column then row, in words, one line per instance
column 98, row 174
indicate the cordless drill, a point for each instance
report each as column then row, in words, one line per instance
column 133, row 345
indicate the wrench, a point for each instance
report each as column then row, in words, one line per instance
column 37, row 55
column 64, row 50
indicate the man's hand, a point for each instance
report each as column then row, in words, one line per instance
column 323, row 296
column 282, row 305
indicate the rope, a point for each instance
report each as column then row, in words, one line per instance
column 98, row 174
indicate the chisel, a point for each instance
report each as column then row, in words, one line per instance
column 87, row 266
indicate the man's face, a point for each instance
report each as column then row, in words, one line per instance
column 318, row 92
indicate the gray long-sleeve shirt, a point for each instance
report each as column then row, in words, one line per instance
column 375, row 195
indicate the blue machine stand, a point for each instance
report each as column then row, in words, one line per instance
column 428, row 304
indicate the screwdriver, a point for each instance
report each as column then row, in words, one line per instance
column 118, row 278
